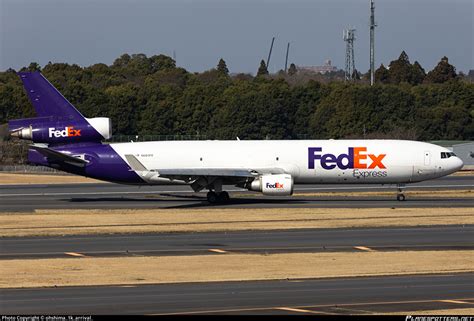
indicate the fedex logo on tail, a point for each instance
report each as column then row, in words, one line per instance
column 66, row 132
column 356, row 158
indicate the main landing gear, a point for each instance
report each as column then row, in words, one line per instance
column 218, row 198
column 400, row 195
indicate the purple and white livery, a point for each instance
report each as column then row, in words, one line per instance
column 64, row 139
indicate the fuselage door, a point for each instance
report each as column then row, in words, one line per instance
column 427, row 158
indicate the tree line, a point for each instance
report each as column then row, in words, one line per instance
column 152, row 96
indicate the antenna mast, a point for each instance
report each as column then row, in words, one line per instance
column 372, row 42
column 270, row 53
column 349, row 38
column 286, row 60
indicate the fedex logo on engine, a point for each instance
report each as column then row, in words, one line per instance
column 276, row 185
column 66, row 132
column 356, row 158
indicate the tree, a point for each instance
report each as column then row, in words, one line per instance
column 122, row 61
column 400, row 70
column 161, row 62
column 292, row 70
column 34, row 66
column 356, row 75
column 418, row 74
column 304, row 100
column 382, row 75
column 151, row 96
column 262, row 70
column 222, row 67
column 123, row 108
column 253, row 110
column 442, row 72
column 281, row 73
column 138, row 65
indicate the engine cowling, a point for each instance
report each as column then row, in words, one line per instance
column 273, row 185
column 46, row 130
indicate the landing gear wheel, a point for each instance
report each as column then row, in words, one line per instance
column 224, row 197
column 400, row 197
column 212, row 197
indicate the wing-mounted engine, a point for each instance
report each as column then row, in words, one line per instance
column 273, row 185
column 51, row 130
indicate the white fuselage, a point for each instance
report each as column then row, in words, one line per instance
column 308, row 161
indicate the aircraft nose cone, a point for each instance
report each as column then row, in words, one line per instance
column 457, row 163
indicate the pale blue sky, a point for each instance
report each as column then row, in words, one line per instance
column 240, row 31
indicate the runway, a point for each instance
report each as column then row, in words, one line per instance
column 364, row 295
column 257, row 242
column 59, row 196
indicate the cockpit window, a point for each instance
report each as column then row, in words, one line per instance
column 447, row 155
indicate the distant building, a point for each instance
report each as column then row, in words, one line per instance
column 328, row 67
column 466, row 153
column 470, row 75
column 463, row 149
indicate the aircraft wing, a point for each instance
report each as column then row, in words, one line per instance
column 175, row 173
column 188, row 172
column 53, row 155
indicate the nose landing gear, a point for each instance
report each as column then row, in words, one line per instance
column 400, row 195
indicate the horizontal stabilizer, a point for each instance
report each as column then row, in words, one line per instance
column 53, row 156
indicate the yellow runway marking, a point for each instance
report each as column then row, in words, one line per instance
column 306, row 307
column 74, row 254
column 295, row 310
column 217, row 251
column 301, row 310
column 363, row 248
column 355, row 310
column 456, row 301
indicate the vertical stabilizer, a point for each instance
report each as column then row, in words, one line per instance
column 57, row 121
column 46, row 99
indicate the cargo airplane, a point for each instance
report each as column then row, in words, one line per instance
column 62, row 138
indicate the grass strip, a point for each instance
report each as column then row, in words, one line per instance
column 88, row 222
column 226, row 267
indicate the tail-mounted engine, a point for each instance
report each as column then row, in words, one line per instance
column 273, row 185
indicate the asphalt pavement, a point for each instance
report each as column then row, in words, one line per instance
column 19, row 198
column 363, row 295
column 260, row 242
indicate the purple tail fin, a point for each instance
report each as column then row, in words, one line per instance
column 46, row 99
column 57, row 121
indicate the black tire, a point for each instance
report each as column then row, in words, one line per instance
column 212, row 197
column 224, row 197
column 400, row 197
